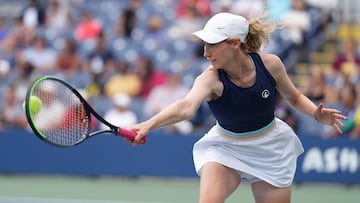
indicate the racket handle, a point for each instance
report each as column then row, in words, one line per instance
column 129, row 134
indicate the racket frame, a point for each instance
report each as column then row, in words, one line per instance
column 88, row 109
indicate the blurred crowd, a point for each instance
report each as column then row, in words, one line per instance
column 131, row 58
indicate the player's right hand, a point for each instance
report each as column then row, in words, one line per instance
column 141, row 134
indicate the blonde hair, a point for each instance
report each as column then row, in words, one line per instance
column 260, row 29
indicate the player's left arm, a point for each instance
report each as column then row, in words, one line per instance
column 296, row 99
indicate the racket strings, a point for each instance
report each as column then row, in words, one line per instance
column 62, row 118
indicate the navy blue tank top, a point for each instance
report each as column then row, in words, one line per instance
column 246, row 109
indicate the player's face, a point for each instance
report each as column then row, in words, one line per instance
column 217, row 54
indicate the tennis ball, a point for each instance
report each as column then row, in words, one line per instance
column 34, row 105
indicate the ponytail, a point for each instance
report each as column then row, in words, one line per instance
column 260, row 29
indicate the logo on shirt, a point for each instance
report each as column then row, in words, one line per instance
column 265, row 93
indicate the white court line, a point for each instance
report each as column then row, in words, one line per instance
column 47, row 200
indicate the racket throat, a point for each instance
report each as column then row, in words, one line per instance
column 115, row 130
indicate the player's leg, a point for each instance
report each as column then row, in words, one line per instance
column 266, row 193
column 217, row 182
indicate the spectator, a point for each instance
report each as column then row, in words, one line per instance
column 98, row 99
column 127, row 21
column 21, row 76
column 345, row 68
column 221, row 6
column 20, row 35
column 156, row 32
column 120, row 114
column 58, row 17
column 69, row 64
column 33, row 15
column 41, row 55
column 202, row 7
column 125, row 81
column 188, row 22
column 347, row 60
column 164, row 95
column 88, row 28
column 68, row 59
column 348, row 107
column 322, row 14
column 248, row 7
column 318, row 91
column 148, row 74
column 286, row 42
column 297, row 21
column 316, row 88
column 100, row 58
column 11, row 114
column 4, row 74
column 8, row 49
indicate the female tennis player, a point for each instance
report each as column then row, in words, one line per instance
column 247, row 142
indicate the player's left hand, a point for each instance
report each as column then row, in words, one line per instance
column 330, row 117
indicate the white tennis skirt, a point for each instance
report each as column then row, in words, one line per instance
column 270, row 155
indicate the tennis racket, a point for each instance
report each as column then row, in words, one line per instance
column 64, row 118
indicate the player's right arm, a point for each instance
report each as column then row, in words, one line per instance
column 204, row 87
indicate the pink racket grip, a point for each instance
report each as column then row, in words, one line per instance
column 129, row 134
